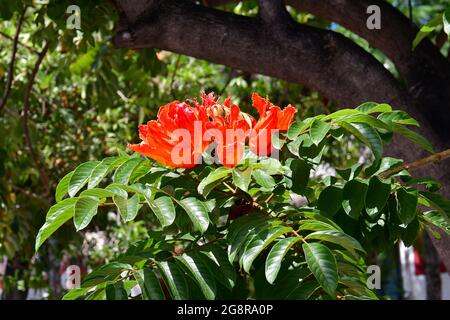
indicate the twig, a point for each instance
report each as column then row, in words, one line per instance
column 297, row 235
column 6, row 36
column 229, row 187
column 417, row 164
column 26, row 109
column 12, row 61
column 410, row 8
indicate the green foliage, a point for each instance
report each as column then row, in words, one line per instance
column 232, row 230
column 87, row 100
column 441, row 21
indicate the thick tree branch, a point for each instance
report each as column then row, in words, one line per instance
column 10, row 78
column 25, row 115
column 320, row 59
column 425, row 70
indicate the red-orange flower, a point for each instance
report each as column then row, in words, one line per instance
column 230, row 128
column 271, row 119
column 163, row 142
column 182, row 132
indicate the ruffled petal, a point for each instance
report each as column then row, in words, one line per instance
column 285, row 117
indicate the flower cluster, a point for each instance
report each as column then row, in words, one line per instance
column 184, row 130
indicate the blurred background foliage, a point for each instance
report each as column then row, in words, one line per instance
column 86, row 102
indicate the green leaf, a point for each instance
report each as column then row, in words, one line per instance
column 200, row 272
column 377, row 196
column 263, row 179
column 341, row 113
column 372, row 136
column 319, row 130
column 75, row 293
column 278, row 140
column 61, row 206
column 175, row 280
column 319, row 216
column 116, row 291
column 163, row 209
column 330, row 200
column 437, row 202
column 102, row 170
column 242, row 176
column 80, row 177
column 292, row 283
column 240, row 229
column 85, row 210
column 276, row 255
column 314, row 225
column 63, row 187
column 300, row 175
column 366, row 135
column 400, row 117
column 439, row 220
column 123, row 173
column 366, row 119
column 211, row 181
column 197, row 212
column 294, row 146
column 336, row 237
column 223, row 270
column 411, row 232
column 414, row 137
column 149, row 284
column 430, row 183
column 97, row 192
column 140, row 171
column 261, row 241
column 407, row 204
column 353, row 198
column 97, row 294
column 104, row 273
column 295, row 129
column 386, row 164
column 446, row 21
column 427, row 29
column 323, row 265
column 53, row 222
column 371, row 107
column 118, row 190
column 352, row 172
column 128, row 208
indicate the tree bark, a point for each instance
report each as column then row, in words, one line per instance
column 432, row 274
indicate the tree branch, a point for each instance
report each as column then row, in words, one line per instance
column 424, row 69
column 9, row 81
column 6, row 36
column 25, row 114
column 417, row 164
column 320, row 59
